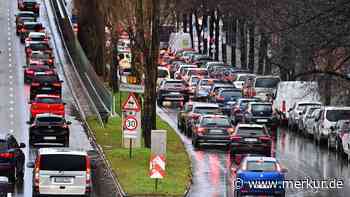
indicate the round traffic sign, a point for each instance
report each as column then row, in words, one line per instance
column 130, row 123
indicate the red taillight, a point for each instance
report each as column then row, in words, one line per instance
column 23, row 30
column 88, row 174
column 30, row 72
column 35, row 84
column 265, row 139
column 7, row 155
column 50, row 61
column 37, row 173
column 49, row 72
column 195, row 116
column 284, row 109
column 230, row 130
column 56, row 84
column 29, row 50
column 220, row 98
column 236, row 138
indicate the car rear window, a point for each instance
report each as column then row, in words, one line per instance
column 335, row 115
column 3, row 145
column 302, row 106
column 162, row 73
column 33, row 26
column 231, row 94
column 267, row 82
column 55, row 162
column 46, row 78
column 249, row 131
column 48, row 100
column 264, row 166
column 197, row 72
column 215, row 121
column 206, row 110
column 262, row 108
column 40, row 56
column 50, row 119
column 245, row 77
column 26, row 14
column 39, row 46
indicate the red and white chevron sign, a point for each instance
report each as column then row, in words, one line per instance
column 157, row 167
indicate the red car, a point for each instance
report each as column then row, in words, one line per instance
column 46, row 103
column 34, row 69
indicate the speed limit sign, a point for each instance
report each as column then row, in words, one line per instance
column 130, row 123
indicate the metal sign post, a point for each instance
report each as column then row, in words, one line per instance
column 131, row 118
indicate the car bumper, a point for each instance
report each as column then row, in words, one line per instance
column 37, row 137
column 251, row 149
column 263, row 120
column 207, row 139
column 6, row 169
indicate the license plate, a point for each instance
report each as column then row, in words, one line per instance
column 46, row 88
column 50, row 138
column 63, row 180
column 215, row 131
column 250, row 139
column 262, row 120
column 39, row 73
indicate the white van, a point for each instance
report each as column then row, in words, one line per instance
column 179, row 41
column 61, row 171
column 290, row 92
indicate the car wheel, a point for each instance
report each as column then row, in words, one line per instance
column 238, row 193
column 66, row 143
column 281, row 195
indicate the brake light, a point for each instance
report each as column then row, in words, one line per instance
column 29, row 50
column 49, row 72
column 34, row 106
column 56, row 84
column 23, row 30
column 37, row 173
column 265, row 139
column 236, row 138
column 30, row 72
column 230, row 130
column 88, row 174
column 195, row 116
column 220, row 98
column 200, row 129
column 7, row 155
column 35, row 84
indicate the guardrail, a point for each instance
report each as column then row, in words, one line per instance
column 101, row 96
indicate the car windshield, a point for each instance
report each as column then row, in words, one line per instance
column 231, row 94
column 302, row 106
column 3, row 145
column 53, row 162
column 173, row 84
column 43, row 56
column 50, row 119
column 215, row 121
column 48, row 100
column 262, row 108
column 206, row 110
column 245, row 77
column 335, row 115
column 261, row 166
column 267, row 82
column 162, row 73
column 249, row 131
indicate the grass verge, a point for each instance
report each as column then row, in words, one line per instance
column 133, row 173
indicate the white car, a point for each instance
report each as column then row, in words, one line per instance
column 295, row 113
column 163, row 73
column 310, row 122
column 61, row 171
column 342, row 139
column 304, row 116
column 240, row 79
column 177, row 74
column 328, row 118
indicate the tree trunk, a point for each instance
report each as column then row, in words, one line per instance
column 198, row 31
column 251, row 47
column 262, row 53
column 184, row 22
column 205, row 38
column 224, row 39
column 211, row 33
column 243, row 43
column 234, row 41
column 217, row 34
column 191, row 29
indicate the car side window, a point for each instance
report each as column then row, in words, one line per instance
column 13, row 143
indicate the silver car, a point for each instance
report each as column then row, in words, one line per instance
column 61, row 171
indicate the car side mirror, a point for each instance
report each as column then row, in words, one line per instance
column 22, row 145
column 24, row 66
column 29, row 122
column 30, row 165
column 61, row 81
column 332, row 128
column 68, row 122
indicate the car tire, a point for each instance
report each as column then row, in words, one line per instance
column 238, row 193
column 66, row 143
column 281, row 195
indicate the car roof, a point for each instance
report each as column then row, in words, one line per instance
column 223, row 85
column 188, row 65
column 250, row 125
column 257, row 158
column 216, row 63
column 202, row 104
column 336, row 108
column 32, row 23
column 261, row 103
column 162, row 68
column 63, row 151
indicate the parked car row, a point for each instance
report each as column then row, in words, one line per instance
column 222, row 105
column 47, row 124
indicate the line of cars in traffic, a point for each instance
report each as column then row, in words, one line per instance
column 56, row 171
column 223, row 105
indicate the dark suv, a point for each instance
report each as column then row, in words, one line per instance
column 11, row 157
column 49, row 129
column 29, row 5
column 45, row 84
column 260, row 113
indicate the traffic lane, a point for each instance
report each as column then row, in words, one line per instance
column 304, row 159
column 210, row 165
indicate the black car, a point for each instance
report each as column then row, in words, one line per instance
column 260, row 113
column 171, row 90
column 11, row 158
column 226, row 98
column 28, row 27
column 31, row 71
column 212, row 129
column 251, row 139
column 49, row 129
column 23, row 17
column 239, row 108
column 29, row 5
column 37, row 46
column 45, row 84
column 24, row 14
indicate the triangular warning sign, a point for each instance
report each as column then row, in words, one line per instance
column 131, row 103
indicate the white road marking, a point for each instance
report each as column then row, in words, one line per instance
column 11, row 89
column 12, row 123
column 11, row 108
column 10, row 60
column 10, row 49
column 9, row 33
column 12, row 102
column 12, row 116
column 10, row 82
column 10, row 76
column 10, row 70
column 10, row 54
column 11, row 130
column 11, row 95
column 10, row 44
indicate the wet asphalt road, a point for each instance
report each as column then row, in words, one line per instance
column 303, row 159
column 14, row 110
